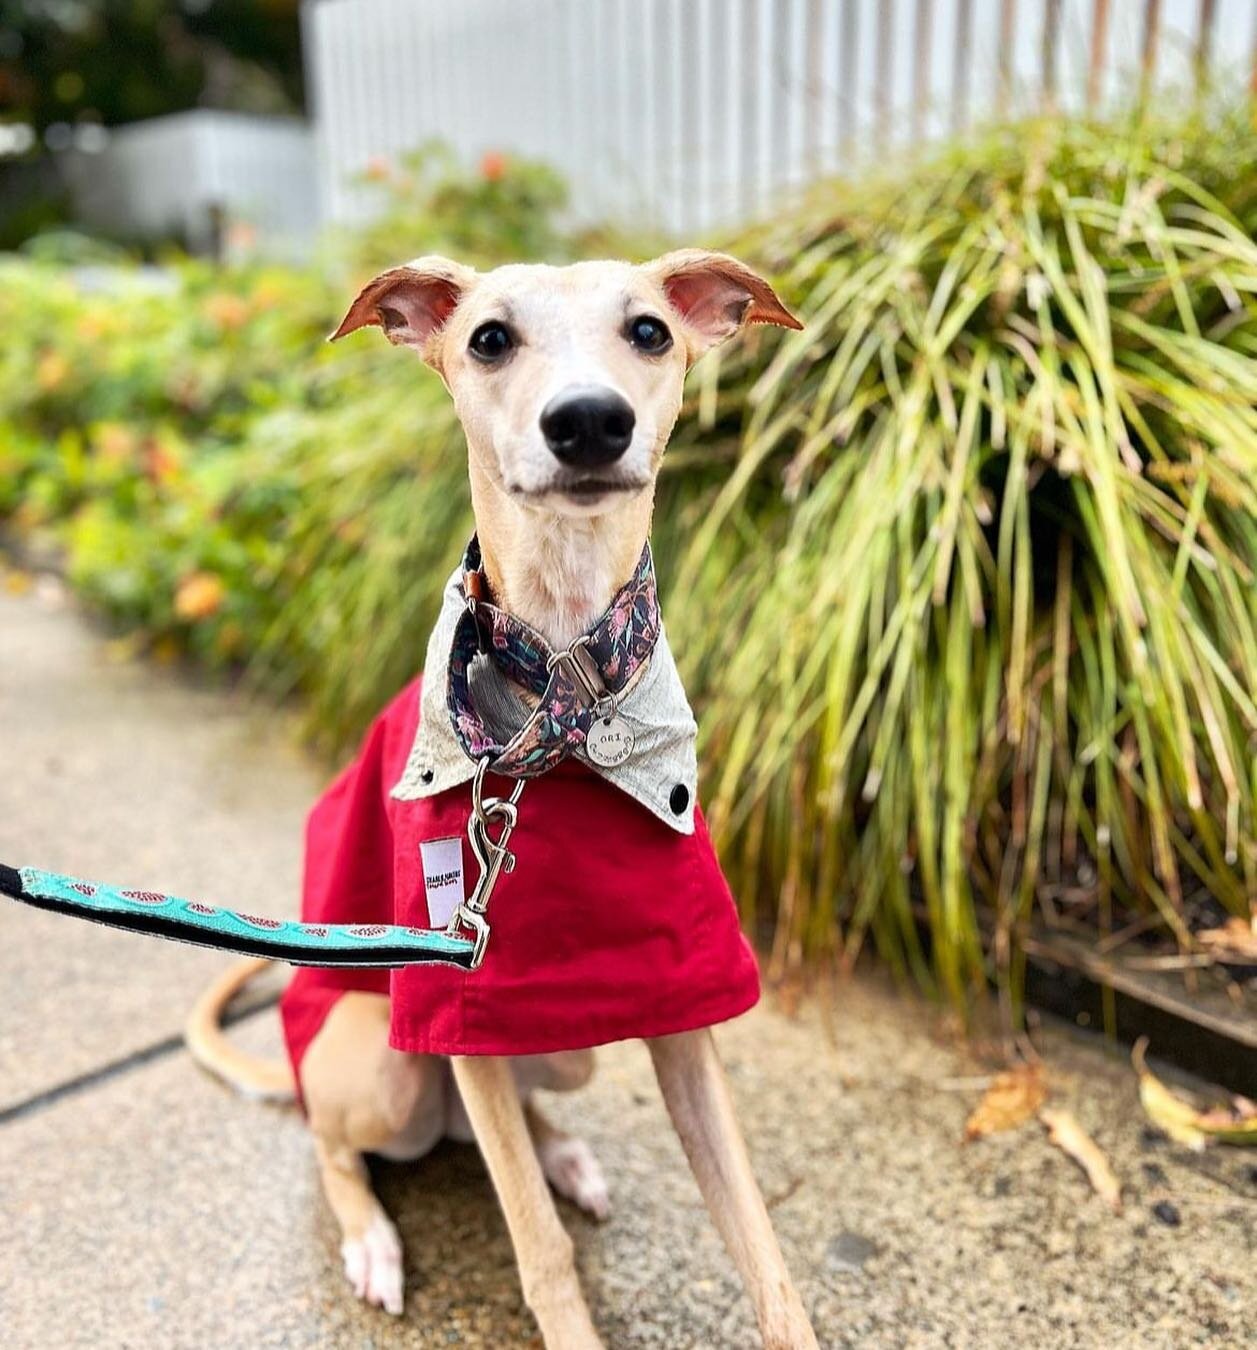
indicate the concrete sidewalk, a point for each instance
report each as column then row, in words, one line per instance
column 142, row 1205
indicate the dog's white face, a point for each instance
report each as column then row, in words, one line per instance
column 567, row 380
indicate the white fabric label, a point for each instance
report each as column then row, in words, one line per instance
column 442, row 878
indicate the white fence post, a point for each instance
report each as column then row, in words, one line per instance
column 693, row 114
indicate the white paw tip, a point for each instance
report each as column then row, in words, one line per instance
column 373, row 1266
column 573, row 1171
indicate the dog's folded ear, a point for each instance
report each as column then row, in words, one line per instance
column 410, row 303
column 716, row 295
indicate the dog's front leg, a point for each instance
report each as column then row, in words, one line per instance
column 693, row 1084
column 543, row 1250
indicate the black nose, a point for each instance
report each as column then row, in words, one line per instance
column 589, row 428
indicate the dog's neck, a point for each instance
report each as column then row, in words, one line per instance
column 558, row 573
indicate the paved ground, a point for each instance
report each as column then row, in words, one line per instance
column 141, row 1205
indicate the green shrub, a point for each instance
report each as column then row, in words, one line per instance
column 127, row 401
column 961, row 577
column 973, row 617
column 506, row 212
column 221, row 479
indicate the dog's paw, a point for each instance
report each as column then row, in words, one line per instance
column 373, row 1264
column 573, row 1171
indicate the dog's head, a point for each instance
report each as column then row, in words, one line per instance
column 567, row 379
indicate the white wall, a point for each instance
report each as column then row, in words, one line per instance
column 693, row 113
column 168, row 173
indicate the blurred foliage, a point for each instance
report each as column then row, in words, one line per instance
column 509, row 210
column 125, row 431
column 221, row 479
column 974, row 619
column 961, row 576
column 113, row 61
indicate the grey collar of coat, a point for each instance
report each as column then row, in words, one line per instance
column 661, row 772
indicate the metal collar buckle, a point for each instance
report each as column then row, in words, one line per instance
column 609, row 739
column 600, row 698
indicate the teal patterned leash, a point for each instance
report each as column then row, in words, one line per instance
column 299, row 944
column 618, row 644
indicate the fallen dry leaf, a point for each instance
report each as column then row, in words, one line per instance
column 123, row 649
column 1066, row 1133
column 1241, row 1115
column 1182, row 1121
column 1013, row 1097
column 1168, row 1112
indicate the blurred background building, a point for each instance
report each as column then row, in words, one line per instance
column 199, row 175
column 252, row 123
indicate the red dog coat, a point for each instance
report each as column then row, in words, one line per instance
column 612, row 926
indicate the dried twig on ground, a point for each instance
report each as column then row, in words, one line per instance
column 1066, row 1133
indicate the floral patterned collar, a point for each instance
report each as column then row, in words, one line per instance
column 572, row 696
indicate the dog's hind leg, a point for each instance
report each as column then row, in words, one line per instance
column 693, row 1084
column 567, row 1160
column 543, row 1250
column 569, row 1164
column 370, row 1246
column 363, row 1097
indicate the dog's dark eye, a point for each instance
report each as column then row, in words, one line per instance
column 649, row 334
column 491, row 341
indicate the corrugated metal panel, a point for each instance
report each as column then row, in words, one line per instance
column 689, row 114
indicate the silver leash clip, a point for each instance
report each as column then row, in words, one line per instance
column 492, row 855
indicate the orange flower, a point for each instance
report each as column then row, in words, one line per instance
column 379, row 169
column 51, row 371
column 227, row 310
column 94, row 325
column 115, row 441
column 161, row 460
column 199, row 596
column 493, row 166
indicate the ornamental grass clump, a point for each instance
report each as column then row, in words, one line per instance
column 971, row 619
column 961, row 577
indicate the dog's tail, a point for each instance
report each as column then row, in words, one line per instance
column 269, row 1080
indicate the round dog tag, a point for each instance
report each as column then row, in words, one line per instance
column 610, row 742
